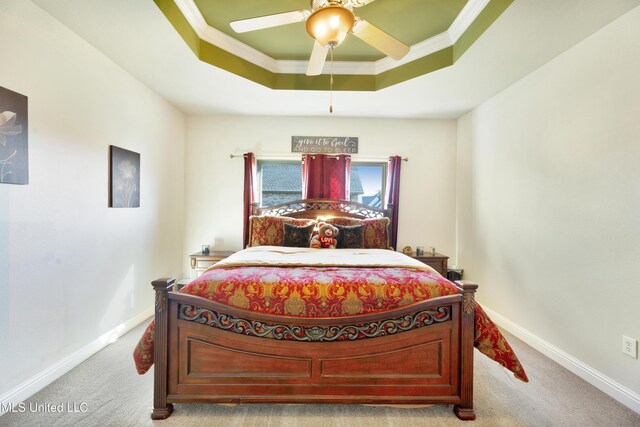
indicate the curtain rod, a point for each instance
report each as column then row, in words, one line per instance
column 234, row 156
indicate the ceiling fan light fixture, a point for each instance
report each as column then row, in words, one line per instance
column 330, row 25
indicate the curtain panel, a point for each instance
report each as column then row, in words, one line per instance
column 393, row 195
column 326, row 176
column 250, row 184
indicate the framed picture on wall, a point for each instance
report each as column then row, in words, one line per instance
column 14, row 138
column 124, row 178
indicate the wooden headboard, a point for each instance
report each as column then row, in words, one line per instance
column 314, row 208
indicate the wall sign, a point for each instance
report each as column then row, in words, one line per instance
column 324, row 144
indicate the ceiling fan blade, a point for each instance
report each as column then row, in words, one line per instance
column 377, row 38
column 268, row 21
column 318, row 57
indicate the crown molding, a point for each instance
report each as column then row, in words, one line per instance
column 207, row 33
column 467, row 15
column 365, row 68
column 418, row 50
column 217, row 38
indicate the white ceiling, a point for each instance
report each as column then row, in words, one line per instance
column 136, row 35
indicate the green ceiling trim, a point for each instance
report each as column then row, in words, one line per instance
column 427, row 64
column 180, row 23
column 225, row 60
column 341, row 82
column 234, row 64
column 487, row 17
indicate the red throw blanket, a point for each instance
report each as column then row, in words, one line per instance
column 332, row 291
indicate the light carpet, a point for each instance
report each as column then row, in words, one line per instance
column 115, row 395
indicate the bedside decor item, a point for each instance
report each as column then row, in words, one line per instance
column 419, row 250
column 455, row 273
column 326, row 237
column 407, row 250
column 205, row 249
column 14, row 138
column 124, row 178
column 432, row 250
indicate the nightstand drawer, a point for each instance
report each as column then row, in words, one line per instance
column 436, row 261
column 437, row 264
column 205, row 263
column 200, row 262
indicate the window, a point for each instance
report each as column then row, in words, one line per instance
column 368, row 183
column 281, row 181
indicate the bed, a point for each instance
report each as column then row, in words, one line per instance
column 272, row 324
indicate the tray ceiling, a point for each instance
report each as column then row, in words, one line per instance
column 438, row 31
column 410, row 21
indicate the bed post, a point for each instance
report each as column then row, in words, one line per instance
column 161, row 409
column 389, row 214
column 464, row 410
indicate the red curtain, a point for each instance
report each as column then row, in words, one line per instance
column 250, row 181
column 393, row 194
column 326, row 176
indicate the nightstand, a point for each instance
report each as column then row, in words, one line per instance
column 200, row 262
column 437, row 261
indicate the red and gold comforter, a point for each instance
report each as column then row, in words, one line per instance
column 329, row 283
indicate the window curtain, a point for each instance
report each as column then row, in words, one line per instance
column 393, row 194
column 326, row 176
column 250, row 183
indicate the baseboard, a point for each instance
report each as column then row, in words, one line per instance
column 622, row 394
column 39, row 381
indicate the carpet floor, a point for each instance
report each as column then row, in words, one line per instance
column 115, row 395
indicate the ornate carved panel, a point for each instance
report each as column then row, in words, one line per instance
column 353, row 209
column 314, row 333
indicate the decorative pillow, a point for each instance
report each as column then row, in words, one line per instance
column 376, row 231
column 350, row 236
column 269, row 230
column 297, row 236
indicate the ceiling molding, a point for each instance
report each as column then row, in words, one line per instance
column 467, row 16
column 419, row 50
column 221, row 40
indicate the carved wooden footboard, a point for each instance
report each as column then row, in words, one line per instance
column 208, row 352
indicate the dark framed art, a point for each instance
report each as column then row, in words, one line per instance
column 14, row 138
column 124, row 178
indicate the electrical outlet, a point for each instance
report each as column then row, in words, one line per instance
column 630, row 347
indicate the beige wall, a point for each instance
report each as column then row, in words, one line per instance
column 72, row 269
column 215, row 182
column 549, row 200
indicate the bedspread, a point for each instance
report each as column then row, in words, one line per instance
column 293, row 288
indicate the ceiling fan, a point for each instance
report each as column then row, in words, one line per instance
column 329, row 22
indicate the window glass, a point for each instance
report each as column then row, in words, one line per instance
column 368, row 183
column 281, row 182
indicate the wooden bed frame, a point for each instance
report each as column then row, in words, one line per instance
column 417, row 354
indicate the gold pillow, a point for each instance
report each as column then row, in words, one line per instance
column 268, row 230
